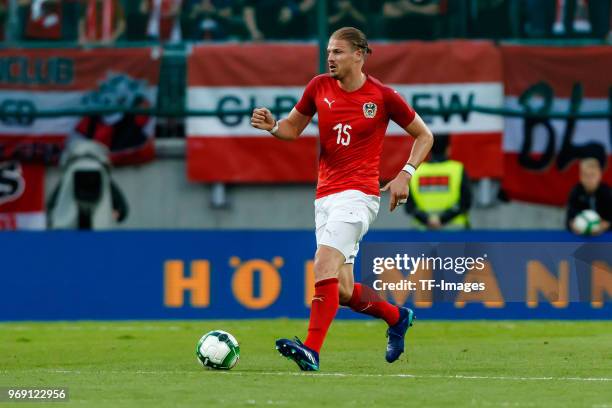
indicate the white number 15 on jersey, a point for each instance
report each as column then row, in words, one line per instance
column 344, row 137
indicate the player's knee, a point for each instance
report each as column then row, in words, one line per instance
column 324, row 269
column 327, row 263
column 345, row 293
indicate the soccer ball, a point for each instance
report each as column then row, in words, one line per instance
column 218, row 350
column 587, row 221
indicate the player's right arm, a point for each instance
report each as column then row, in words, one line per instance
column 288, row 129
column 292, row 127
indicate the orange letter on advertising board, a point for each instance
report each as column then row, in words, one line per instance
column 540, row 280
column 244, row 278
column 491, row 296
column 175, row 284
column 309, row 282
column 601, row 281
column 421, row 299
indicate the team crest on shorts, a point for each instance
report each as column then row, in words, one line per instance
column 369, row 110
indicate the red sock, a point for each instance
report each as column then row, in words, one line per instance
column 322, row 311
column 365, row 300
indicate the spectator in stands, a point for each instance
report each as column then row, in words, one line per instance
column 71, row 12
column 440, row 192
column 48, row 20
column 582, row 18
column 136, row 21
column 600, row 16
column 164, row 23
column 210, row 20
column 278, row 19
column 346, row 13
column 590, row 194
column 493, row 18
column 539, row 18
column 101, row 21
column 413, row 19
column 3, row 18
column 44, row 20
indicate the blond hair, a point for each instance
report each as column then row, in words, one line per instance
column 353, row 36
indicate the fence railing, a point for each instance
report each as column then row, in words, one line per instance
column 505, row 112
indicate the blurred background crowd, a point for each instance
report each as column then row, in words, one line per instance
column 91, row 21
column 151, row 81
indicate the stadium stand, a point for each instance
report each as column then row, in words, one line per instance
column 166, row 92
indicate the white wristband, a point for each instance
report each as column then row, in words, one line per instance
column 275, row 127
column 409, row 168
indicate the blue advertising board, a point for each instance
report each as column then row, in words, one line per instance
column 223, row 274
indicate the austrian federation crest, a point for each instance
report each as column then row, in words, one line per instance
column 369, row 110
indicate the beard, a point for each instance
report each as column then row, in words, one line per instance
column 335, row 74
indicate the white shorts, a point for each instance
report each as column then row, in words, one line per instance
column 342, row 219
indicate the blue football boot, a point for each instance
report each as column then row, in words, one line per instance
column 305, row 358
column 396, row 334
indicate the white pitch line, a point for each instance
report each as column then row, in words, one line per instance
column 458, row 376
column 76, row 327
column 346, row 375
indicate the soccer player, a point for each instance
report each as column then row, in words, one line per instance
column 354, row 110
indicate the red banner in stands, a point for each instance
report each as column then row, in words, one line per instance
column 541, row 155
column 22, row 196
column 50, row 79
column 453, row 74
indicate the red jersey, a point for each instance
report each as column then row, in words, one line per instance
column 351, row 130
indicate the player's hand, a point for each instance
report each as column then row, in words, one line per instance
column 603, row 227
column 257, row 35
column 398, row 188
column 285, row 15
column 262, row 119
column 574, row 228
column 434, row 222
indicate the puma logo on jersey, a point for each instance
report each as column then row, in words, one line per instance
column 328, row 102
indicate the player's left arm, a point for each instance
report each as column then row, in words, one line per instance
column 398, row 187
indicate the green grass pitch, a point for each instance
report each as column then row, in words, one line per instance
column 447, row 364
